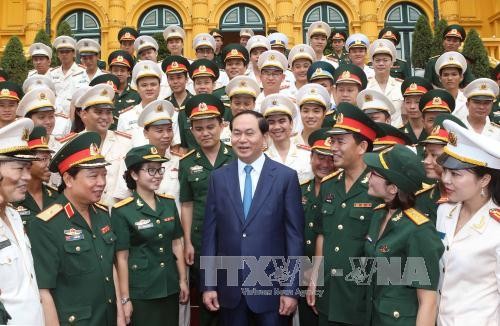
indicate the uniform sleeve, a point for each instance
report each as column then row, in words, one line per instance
column 178, row 233
column 46, row 256
column 318, row 228
column 181, row 120
column 425, row 243
column 186, row 193
column 121, row 229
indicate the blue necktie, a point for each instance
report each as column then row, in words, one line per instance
column 247, row 191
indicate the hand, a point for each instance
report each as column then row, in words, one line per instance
column 184, row 293
column 210, row 300
column 127, row 311
column 120, row 319
column 189, row 253
column 311, row 296
column 287, row 305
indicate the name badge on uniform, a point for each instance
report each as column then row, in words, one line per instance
column 23, row 211
column 130, row 101
column 5, row 243
column 73, row 235
column 168, row 219
column 144, row 224
column 196, row 169
column 132, row 122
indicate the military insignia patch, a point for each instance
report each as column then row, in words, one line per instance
column 495, row 213
column 383, row 249
column 196, row 169
column 105, row 229
column 168, row 219
column 144, row 224
column 73, row 235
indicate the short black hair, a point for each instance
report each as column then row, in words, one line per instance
column 263, row 125
column 358, row 138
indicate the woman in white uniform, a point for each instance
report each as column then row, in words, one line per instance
column 469, row 227
column 19, row 289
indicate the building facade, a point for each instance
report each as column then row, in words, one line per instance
column 102, row 19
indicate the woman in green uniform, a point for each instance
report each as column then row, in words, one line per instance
column 150, row 258
column 400, row 234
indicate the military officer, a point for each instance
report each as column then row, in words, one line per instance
column 392, row 136
column 313, row 101
column 204, row 45
column 38, row 81
column 19, row 291
column 219, row 43
column 481, row 94
column 300, row 58
column 89, row 50
column 345, row 212
column 339, row 53
column 39, row 195
column 245, row 35
column 400, row 68
column 433, row 193
column 318, row 34
column 149, row 254
column 121, row 64
column 280, row 113
column 453, row 36
column 376, row 105
column 450, row 67
column 67, row 79
column 412, row 89
column 205, row 112
column 256, row 45
column 433, row 103
column 176, row 68
column 146, row 78
column 41, row 56
column 109, row 79
column 73, row 242
column 279, row 42
column 495, row 111
column 383, row 55
column 357, row 47
column 96, row 114
column 399, row 231
column 321, row 165
column 322, row 72
column 126, row 37
column 469, row 225
column 10, row 95
column 204, row 74
column 174, row 36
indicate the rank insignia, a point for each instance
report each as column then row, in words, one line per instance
column 139, row 202
column 383, row 249
column 73, row 235
column 495, row 213
column 105, row 229
column 168, row 219
column 329, row 198
column 363, row 205
column 397, row 217
column 365, row 179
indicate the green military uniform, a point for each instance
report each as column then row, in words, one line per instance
column 392, row 136
column 4, row 315
column 221, row 94
column 148, row 234
column 409, row 234
column 75, row 261
column 400, row 69
column 187, row 138
column 329, row 119
column 28, row 208
column 323, row 70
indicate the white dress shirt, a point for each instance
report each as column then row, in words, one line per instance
column 257, row 166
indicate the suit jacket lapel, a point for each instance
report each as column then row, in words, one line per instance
column 262, row 191
column 234, row 190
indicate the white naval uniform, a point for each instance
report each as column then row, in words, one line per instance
column 490, row 129
column 127, row 121
column 461, row 111
column 97, row 73
column 33, row 72
column 55, row 177
column 335, row 64
column 297, row 158
column 469, row 285
column 393, row 93
column 20, row 294
column 169, row 184
column 225, row 135
column 297, row 121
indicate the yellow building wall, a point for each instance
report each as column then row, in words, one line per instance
column 25, row 17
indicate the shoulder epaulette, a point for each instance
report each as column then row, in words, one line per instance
column 123, row 134
column 50, row 212
column 123, row 202
column 304, row 147
column 188, row 153
column 175, row 153
column 435, row 56
column 167, row 196
column 425, row 189
column 67, row 137
column 417, row 217
column 78, row 73
column 102, row 206
column 334, row 174
column 306, row 182
column 442, row 200
column 51, row 187
column 379, row 207
column 128, row 108
column 62, row 115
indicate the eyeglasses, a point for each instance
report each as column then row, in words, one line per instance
column 268, row 73
column 152, row 171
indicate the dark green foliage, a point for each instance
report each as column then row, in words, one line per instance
column 162, row 46
column 437, row 40
column 476, row 54
column 14, row 62
column 64, row 29
column 420, row 44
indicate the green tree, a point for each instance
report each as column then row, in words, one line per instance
column 13, row 60
column 162, row 46
column 437, row 40
column 64, row 29
column 476, row 54
column 420, row 43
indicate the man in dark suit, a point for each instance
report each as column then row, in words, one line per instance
column 253, row 209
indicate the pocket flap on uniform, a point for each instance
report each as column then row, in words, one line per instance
column 73, row 315
column 76, row 247
column 137, row 263
column 197, row 176
column 109, row 237
column 397, row 308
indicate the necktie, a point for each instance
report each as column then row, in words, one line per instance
column 247, row 191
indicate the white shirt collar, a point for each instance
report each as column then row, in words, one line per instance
column 256, row 165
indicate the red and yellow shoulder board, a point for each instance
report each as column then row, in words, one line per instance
column 188, row 153
column 102, row 206
column 334, row 174
column 50, row 212
column 495, row 213
column 123, row 134
column 123, row 202
column 128, row 108
column 379, row 207
column 67, row 137
column 176, row 153
column 62, row 115
column 417, row 217
column 167, row 196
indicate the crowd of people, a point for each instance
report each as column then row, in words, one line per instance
column 117, row 185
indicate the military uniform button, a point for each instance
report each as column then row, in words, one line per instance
column 196, row 179
column 162, row 264
column 362, row 218
column 244, row 235
column 314, row 206
column 101, row 256
column 334, row 271
column 77, row 248
column 337, row 249
column 160, row 236
column 94, row 236
column 134, row 266
column 71, row 319
column 396, row 314
column 311, row 224
column 158, row 221
column 340, row 227
column 110, row 301
column 447, row 248
column 308, row 242
column 107, row 279
column 324, row 211
column 161, row 249
column 343, row 205
column 196, row 228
